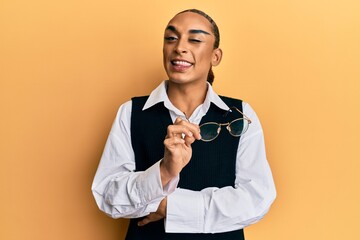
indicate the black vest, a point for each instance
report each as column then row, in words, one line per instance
column 212, row 163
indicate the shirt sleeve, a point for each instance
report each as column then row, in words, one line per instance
column 117, row 189
column 230, row 208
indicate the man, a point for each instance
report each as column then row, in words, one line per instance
column 185, row 163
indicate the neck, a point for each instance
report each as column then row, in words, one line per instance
column 187, row 97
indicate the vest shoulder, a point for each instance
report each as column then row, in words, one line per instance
column 140, row 98
column 229, row 100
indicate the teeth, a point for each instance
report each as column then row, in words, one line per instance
column 182, row 63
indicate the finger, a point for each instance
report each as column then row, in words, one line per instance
column 169, row 142
column 193, row 128
column 178, row 130
column 143, row 222
column 152, row 217
column 189, row 140
column 173, row 141
column 178, row 120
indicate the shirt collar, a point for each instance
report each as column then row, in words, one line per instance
column 159, row 95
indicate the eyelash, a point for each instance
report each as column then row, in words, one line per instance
column 172, row 39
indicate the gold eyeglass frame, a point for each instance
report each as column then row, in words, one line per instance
column 228, row 125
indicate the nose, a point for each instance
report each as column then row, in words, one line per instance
column 181, row 47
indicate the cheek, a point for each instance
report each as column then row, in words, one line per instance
column 166, row 50
column 205, row 53
column 205, row 58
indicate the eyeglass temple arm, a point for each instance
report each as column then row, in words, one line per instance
column 241, row 113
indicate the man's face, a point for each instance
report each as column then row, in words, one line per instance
column 188, row 51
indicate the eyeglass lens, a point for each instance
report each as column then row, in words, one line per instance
column 209, row 131
column 238, row 127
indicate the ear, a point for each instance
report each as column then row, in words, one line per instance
column 216, row 57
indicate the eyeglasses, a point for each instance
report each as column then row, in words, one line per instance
column 211, row 130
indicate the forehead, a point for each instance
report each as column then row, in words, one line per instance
column 189, row 20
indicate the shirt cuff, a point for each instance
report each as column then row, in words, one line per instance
column 185, row 212
column 150, row 187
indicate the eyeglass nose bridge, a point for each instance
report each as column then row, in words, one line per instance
column 220, row 125
column 227, row 125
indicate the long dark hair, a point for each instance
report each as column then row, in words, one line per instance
column 216, row 33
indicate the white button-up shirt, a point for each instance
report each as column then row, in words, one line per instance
column 121, row 192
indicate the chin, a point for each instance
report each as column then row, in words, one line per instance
column 178, row 81
column 184, row 80
column 178, row 78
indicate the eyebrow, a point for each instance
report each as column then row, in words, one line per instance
column 193, row 31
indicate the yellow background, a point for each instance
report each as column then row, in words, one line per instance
column 66, row 66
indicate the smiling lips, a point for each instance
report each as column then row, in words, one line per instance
column 180, row 65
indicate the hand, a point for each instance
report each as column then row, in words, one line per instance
column 178, row 149
column 155, row 216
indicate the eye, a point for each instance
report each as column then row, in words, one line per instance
column 195, row 40
column 170, row 39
